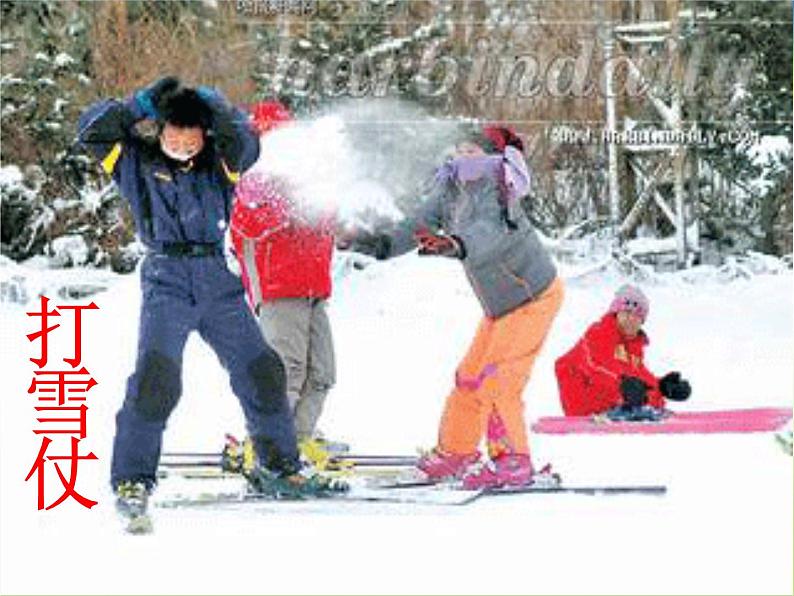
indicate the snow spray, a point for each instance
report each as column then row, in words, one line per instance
column 365, row 160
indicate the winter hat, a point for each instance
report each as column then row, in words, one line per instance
column 267, row 115
column 630, row 298
column 502, row 137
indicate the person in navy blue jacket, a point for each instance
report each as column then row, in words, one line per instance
column 176, row 153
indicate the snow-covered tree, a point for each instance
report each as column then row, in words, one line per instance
column 41, row 95
column 748, row 62
column 349, row 49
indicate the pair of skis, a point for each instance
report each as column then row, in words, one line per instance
column 212, row 465
column 415, row 493
column 188, row 459
column 374, row 478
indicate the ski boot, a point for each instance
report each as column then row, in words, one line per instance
column 505, row 470
column 132, row 499
column 320, row 453
column 438, row 465
column 237, row 456
column 296, row 486
column 635, row 414
column 332, row 447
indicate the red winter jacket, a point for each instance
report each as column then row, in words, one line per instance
column 281, row 255
column 589, row 374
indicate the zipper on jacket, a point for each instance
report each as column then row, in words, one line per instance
column 254, row 280
column 517, row 279
column 268, row 268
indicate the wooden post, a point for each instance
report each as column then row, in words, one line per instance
column 674, row 7
column 607, row 39
column 694, row 174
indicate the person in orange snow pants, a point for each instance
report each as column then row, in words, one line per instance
column 494, row 373
column 473, row 214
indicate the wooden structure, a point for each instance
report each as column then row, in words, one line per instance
column 635, row 28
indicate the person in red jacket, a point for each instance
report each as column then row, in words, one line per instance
column 605, row 369
column 285, row 258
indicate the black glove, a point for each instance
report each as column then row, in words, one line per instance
column 223, row 115
column 674, row 388
column 162, row 90
column 634, row 392
column 374, row 245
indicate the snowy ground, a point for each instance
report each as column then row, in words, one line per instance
column 725, row 527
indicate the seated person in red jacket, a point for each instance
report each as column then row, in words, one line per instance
column 605, row 369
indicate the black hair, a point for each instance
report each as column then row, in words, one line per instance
column 184, row 108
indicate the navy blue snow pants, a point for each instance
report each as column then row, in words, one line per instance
column 180, row 295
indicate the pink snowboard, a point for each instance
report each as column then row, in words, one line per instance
column 715, row 421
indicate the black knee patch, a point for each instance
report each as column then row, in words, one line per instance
column 159, row 386
column 270, row 379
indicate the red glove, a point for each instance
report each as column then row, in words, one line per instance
column 440, row 245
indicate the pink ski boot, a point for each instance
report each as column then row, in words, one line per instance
column 505, row 467
column 438, row 465
column 505, row 470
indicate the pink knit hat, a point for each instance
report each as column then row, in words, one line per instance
column 630, row 298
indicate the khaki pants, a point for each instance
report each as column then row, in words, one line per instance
column 494, row 373
column 299, row 330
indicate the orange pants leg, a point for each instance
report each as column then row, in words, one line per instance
column 495, row 372
column 465, row 412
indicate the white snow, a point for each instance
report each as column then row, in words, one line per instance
column 58, row 105
column 8, row 79
column 21, row 285
column 652, row 245
column 314, row 157
column 769, row 147
column 401, row 326
column 10, row 176
column 69, row 250
column 62, row 60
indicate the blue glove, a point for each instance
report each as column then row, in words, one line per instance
column 145, row 105
column 208, row 94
